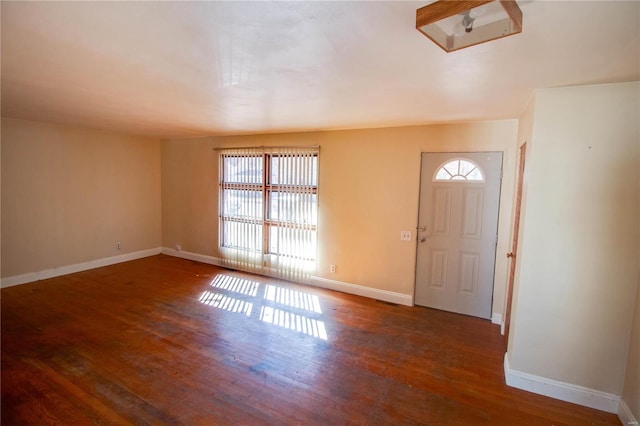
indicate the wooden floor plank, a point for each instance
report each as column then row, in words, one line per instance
column 163, row 340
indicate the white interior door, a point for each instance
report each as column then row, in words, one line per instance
column 457, row 231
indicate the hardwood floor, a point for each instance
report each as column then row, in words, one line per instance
column 168, row 341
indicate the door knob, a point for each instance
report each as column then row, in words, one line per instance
column 423, row 228
column 511, row 254
column 423, row 239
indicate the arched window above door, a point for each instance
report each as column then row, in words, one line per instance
column 459, row 169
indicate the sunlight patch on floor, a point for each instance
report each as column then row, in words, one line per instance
column 291, row 321
column 279, row 306
column 222, row 301
column 293, row 298
column 236, row 285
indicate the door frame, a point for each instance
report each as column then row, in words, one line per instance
column 513, row 254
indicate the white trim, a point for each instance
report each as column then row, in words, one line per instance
column 625, row 415
column 193, row 256
column 359, row 290
column 372, row 293
column 77, row 267
column 560, row 390
column 496, row 319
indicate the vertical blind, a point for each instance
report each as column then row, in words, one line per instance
column 269, row 210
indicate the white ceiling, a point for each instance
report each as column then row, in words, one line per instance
column 180, row 69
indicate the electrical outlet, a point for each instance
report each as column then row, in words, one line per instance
column 118, row 246
column 405, row 235
column 332, row 268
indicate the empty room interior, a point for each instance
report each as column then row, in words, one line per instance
column 368, row 212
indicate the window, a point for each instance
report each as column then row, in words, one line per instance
column 459, row 170
column 269, row 205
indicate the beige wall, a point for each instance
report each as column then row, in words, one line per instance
column 69, row 194
column 369, row 187
column 579, row 257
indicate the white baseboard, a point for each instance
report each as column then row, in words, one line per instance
column 560, row 390
column 625, row 415
column 359, row 290
column 78, row 267
column 373, row 293
column 496, row 319
column 211, row 260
